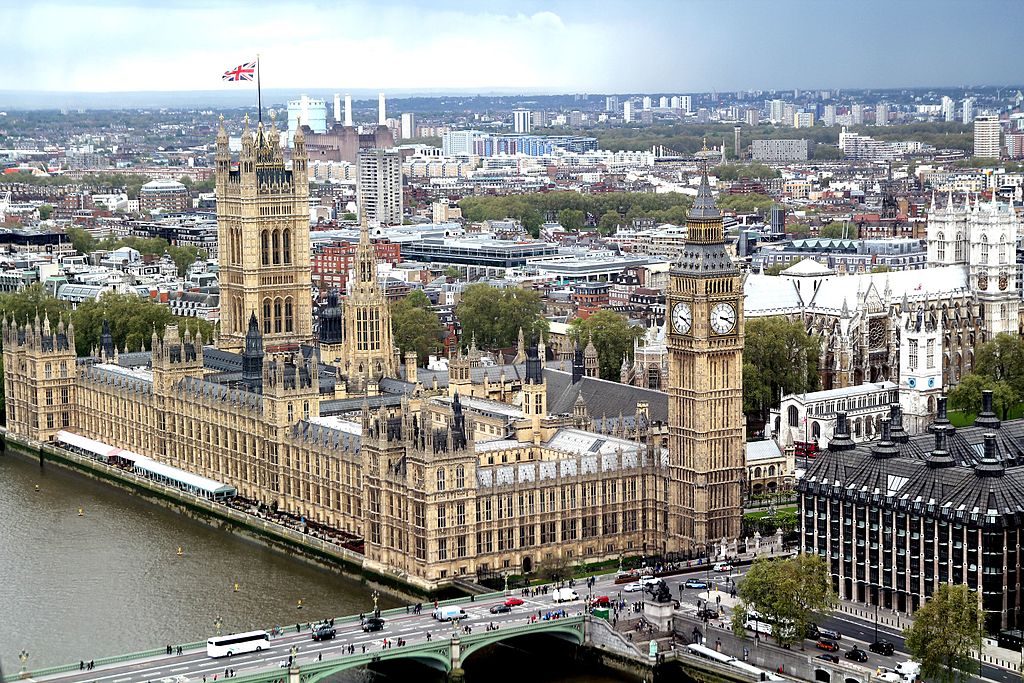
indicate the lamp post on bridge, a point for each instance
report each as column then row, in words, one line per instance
column 23, row 658
column 218, row 624
column 376, row 610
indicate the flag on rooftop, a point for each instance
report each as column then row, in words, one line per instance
column 242, row 72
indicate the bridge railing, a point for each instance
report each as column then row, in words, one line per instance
column 102, row 661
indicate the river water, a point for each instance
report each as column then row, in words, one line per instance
column 110, row 581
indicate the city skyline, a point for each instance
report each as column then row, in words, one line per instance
column 542, row 47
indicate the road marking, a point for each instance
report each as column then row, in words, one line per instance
column 180, row 668
column 120, row 680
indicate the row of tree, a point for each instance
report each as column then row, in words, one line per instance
column 574, row 210
column 999, row 366
column 183, row 256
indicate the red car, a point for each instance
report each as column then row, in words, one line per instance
column 513, row 602
column 600, row 601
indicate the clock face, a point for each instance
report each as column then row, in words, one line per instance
column 682, row 318
column 723, row 318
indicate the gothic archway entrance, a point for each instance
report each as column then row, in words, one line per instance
column 527, row 565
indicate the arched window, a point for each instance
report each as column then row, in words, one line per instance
column 265, row 242
column 793, row 416
column 277, row 315
column 984, row 248
column 288, row 314
column 286, row 245
column 266, row 316
column 48, row 369
column 440, row 479
column 959, row 246
column 757, row 473
column 291, row 413
column 276, row 238
column 940, row 246
column 815, row 431
column 771, row 470
column 305, row 409
column 1002, row 249
column 460, row 477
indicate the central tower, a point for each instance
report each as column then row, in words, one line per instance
column 369, row 353
column 263, row 240
column 705, row 385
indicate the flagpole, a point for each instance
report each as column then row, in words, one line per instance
column 259, row 94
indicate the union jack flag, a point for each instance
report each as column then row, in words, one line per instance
column 242, row 72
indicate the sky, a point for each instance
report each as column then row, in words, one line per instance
column 595, row 46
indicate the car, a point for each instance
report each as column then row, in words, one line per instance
column 707, row 613
column 812, row 632
column 723, row 567
column 829, row 633
column 649, row 580
column 696, row 583
column 498, row 609
column 324, row 633
column 600, row 601
column 513, row 602
column 857, row 655
column 634, row 587
column 882, row 647
column 373, row 624
column 829, row 658
column 826, row 644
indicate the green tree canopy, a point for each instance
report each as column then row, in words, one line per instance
column 81, row 240
column 946, row 635
column 21, row 307
column 737, row 171
column 745, row 203
column 571, row 219
column 613, row 338
column 45, row 211
column 790, row 593
column 609, row 222
column 999, row 366
column 966, row 395
column 416, row 326
column 494, row 316
column 185, row 256
column 132, row 321
column 778, row 356
column 838, row 230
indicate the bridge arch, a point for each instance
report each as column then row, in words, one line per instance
column 571, row 631
column 437, row 657
column 822, row 676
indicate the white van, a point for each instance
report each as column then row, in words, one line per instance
column 565, row 595
column 450, row 613
column 762, row 627
column 909, row 670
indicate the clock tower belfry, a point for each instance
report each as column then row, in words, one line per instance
column 705, row 386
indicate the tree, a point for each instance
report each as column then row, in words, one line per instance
column 571, row 219
column 416, row 326
column 45, row 211
column 966, row 396
column 22, row 307
column 827, row 153
column 452, row 272
column 1002, row 360
column 881, row 269
column 777, row 268
column 838, row 230
column 554, row 568
column 81, row 240
column 612, row 336
column 779, row 357
column 184, row 257
column 946, row 635
column 494, row 316
column 132, row 321
column 609, row 222
column 745, row 203
column 737, row 171
column 788, row 593
column 798, row 230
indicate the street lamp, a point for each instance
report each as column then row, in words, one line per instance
column 218, row 624
column 375, row 596
column 23, row 657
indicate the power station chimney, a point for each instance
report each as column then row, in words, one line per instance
column 382, row 116
column 337, row 108
column 348, row 110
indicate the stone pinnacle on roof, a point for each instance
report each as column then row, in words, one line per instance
column 704, row 203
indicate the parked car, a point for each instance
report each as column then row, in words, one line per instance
column 707, row 613
column 882, row 647
column 826, row 644
column 498, row 609
column 857, row 655
column 829, row 658
column 696, row 583
column 829, row 633
column 723, row 567
column 373, row 624
column 649, row 580
column 514, row 602
column 634, row 587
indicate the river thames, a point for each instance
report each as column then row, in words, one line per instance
column 110, row 581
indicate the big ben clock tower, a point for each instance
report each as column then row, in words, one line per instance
column 705, row 386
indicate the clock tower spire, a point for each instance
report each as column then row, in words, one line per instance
column 705, row 403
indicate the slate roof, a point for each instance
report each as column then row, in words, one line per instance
column 603, row 398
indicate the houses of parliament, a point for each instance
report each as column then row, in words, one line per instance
column 479, row 469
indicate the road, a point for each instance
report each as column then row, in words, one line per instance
column 193, row 665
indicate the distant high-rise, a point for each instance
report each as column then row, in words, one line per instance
column 776, row 111
column 408, row 125
column 674, row 102
column 647, row 102
column 575, row 118
column 777, row 221
column 686, row 103
column 522, row 121
column 829, row 116
column 611, row 103
column 986, row 137
column 540, row 119
column 752, row 117
column 663, row 102
column 881, row 114
column 736, row 141
column 857, row 114
column 967, row 112
column 627, row 111
column 380, row 186
column 948, row 109
column 803, row 119
column 313, row 113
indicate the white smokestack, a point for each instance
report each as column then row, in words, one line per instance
column 337, row 108
column 382, row 116
column 348, row 110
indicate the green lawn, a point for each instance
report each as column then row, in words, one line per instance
column 959, row 418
